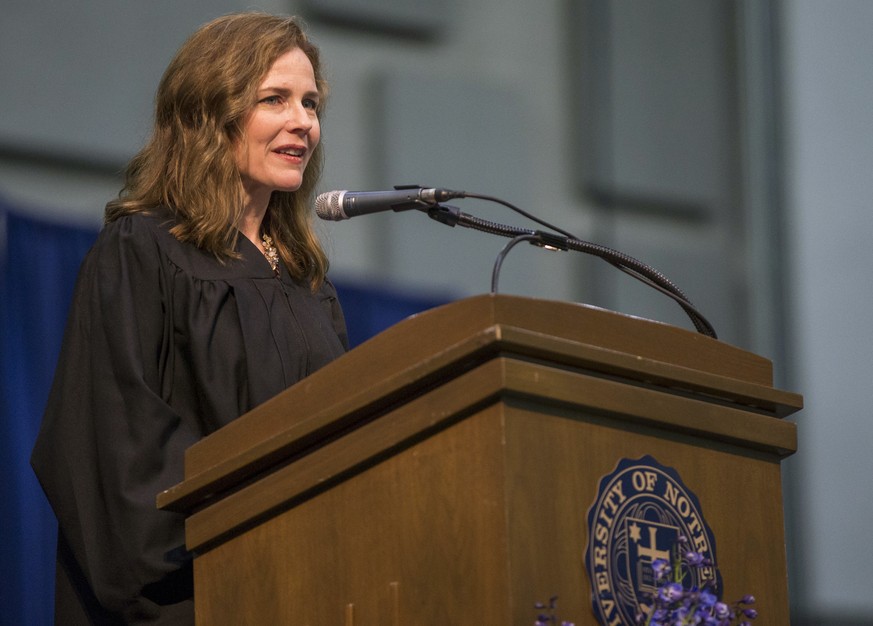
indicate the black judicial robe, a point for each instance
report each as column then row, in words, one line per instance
column 164, row 345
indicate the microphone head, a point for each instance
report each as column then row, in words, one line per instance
column 329, row 206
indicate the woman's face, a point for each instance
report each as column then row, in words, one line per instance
column 281, row 131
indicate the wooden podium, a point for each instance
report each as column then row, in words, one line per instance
column 442, row 472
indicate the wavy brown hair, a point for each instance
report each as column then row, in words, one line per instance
column 188, row 164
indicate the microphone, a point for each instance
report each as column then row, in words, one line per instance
column 341, row 205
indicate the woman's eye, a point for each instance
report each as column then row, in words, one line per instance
column 271, row 100
column 309, row 103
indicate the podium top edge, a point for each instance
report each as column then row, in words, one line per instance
column 604, row 328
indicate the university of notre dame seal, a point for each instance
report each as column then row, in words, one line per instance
column 641, row 511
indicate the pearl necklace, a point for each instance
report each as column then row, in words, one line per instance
column 271, row 253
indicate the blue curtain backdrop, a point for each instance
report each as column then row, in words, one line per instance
column 38, row 267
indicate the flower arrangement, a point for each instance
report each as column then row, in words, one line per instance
column 674, row 605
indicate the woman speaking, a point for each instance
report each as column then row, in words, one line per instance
column 204, row 295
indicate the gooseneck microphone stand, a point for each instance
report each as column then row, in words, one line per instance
column 562, row 240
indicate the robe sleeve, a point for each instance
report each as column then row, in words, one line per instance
column 336, row 313
column 109, row 440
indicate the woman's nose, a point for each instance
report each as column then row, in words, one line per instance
column 300, row 119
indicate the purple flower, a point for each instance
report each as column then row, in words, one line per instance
column 670, row 592
column 694, row 559
column 661, row 568
column 722, row 611
column 707, row 599
column 683, row 614
column 675, row 605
